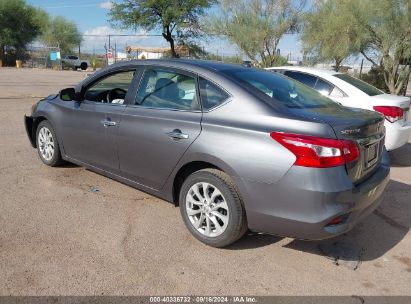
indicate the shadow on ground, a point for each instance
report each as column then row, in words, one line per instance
column 254, row 240
column 371, row 239
column 401, row 157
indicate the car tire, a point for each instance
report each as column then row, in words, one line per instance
column 47, row 145
column 223, row 208
column 83, row 66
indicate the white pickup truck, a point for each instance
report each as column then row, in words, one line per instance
column 75, row 62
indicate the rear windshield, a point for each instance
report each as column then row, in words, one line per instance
column 279, row 88
column 359, row 84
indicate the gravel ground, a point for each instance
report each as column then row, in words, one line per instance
column 69, row 231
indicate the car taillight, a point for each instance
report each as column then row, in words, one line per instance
column 392, row 114
column 318, row 152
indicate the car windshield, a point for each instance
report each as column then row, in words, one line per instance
column 359, row 84
column 288, row 92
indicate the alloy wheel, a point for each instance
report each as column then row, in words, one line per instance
column 46, row 143
column 207, row 209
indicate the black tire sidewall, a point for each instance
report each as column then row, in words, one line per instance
column 236, row 210
column 56, row 159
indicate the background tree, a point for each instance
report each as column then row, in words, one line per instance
column 329, row 31
column 60, row 32
column 380, row 30
column 256, row 26
column 178, row 17
column 384, row 37
column 19, row 25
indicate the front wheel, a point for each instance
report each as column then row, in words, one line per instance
column 47, row 145
column 212, row 209
column 83, row 66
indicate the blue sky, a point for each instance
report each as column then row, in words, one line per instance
column 91, row 18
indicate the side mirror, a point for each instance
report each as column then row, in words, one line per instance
column 67, row 94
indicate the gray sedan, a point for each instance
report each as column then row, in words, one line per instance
column 235, row 148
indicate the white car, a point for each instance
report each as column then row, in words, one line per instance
column 355, row 93
column 76, row 62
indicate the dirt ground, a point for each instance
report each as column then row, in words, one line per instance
column 69, row 231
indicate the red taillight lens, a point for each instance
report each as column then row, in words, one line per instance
column 318, row 152
column 392, row 114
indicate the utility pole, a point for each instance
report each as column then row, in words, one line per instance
column 362, row 62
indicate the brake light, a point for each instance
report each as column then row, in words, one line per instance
column 318, row 152
column 392, row 114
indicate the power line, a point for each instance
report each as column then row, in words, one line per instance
column 121, row 35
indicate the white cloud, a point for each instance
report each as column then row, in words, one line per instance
column 106, row 4
column 98, row 37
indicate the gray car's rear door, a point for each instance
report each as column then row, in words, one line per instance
column 159, row 127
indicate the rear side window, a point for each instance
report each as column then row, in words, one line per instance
column 308, row 80
column 280, row 89
column 276, row 71
column 359, row 84
column 165, row 89
column 211, row 95
column 324, row 87
column 337, row 93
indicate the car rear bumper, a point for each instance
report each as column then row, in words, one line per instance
column 28, row 123
column 306, row 200
column 396, row 135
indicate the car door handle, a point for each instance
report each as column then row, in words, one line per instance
column 177, row 134
column 108, row 123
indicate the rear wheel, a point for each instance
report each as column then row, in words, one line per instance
column 47, row 145
column 212, row 208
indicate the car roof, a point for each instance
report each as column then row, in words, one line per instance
column 310, row 70
column 184, row 63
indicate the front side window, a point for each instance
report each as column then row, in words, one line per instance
column 359, row 84
column 308, row 80
column 211, row 95
column 167, row 90
column 280, row 89
column 110, row 89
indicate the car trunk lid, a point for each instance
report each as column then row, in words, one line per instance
column 366, row 128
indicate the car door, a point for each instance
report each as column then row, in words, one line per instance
column 90, row 126
column 159, row 126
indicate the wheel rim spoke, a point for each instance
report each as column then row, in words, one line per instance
column 222, row 205
column 193, row 212
column 207, row 230
column 196, row 191
column 220, row 216
column 205, row 187
column 216, row 224
column 199, row 221
column 215, row 194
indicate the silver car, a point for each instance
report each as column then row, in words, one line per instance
column 235, row 148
